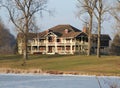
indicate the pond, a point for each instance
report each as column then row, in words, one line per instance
column 56, row 81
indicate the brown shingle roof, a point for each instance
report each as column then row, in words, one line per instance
column 71, row 34
column 42, row 34
column 61, row 28
column 60, row 31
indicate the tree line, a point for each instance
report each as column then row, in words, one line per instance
column 7, row 40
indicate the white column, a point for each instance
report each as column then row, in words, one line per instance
column 71, row 46
column 31, row 47
column 79, row 46
column 74, row 45
column 46, row 42
column 64, row 45
column 38, row 44
column 56, row 50
column 31, row 50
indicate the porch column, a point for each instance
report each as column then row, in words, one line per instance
column 71, row 46
column 46, row 42
column 74, row 43
column 56, row 50
column 71, row 49
column 64, row 46
column 38, row 45
column 79, row 45
column 31, row 49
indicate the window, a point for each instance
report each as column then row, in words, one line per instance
column 77, row 47
column 58, row 40
column 67, row 47
column 86, row 39
column 50, row 39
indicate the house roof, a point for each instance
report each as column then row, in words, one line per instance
column 42, row 34
column 103, row 37
column 59, row 30
column 71, row 34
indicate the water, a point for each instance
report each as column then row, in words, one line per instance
column 55, row 81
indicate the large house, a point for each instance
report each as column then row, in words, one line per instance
column 62, row 39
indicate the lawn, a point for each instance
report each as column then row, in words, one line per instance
column 71, row 63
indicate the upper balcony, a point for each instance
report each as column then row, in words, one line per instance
column 81, row 43
column 38, row 43
column 53, row 43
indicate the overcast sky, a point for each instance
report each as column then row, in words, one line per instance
column 64, row 13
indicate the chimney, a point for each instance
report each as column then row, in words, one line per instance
column 46, row 31
column 85, row 29
column 66, row 31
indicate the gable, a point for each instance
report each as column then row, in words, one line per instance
column 82, row 34
column 104, row 37
column 61, row 28
column 82, row 37
column 50, row 34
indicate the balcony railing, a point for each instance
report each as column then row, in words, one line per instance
column 38, row 43
column 81, row 43
column 52, row 43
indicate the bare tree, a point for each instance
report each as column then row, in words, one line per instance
column 87, row 6
column 21, row 13
column 115, row 12
column 99, row 12
column 115, row 47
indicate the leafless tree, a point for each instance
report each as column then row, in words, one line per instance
column 21, row 13
column 100, row 10
column 115, row 12
column 115, row 46
column 87, row 6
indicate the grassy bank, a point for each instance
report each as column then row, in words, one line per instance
column 109, row 65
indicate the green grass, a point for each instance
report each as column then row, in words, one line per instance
column 85, row 64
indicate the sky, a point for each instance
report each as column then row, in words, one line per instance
column 64, row 12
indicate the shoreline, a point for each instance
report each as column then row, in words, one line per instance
column 41, row 72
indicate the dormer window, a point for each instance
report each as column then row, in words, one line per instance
column 50, row 38
column 58, row 40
